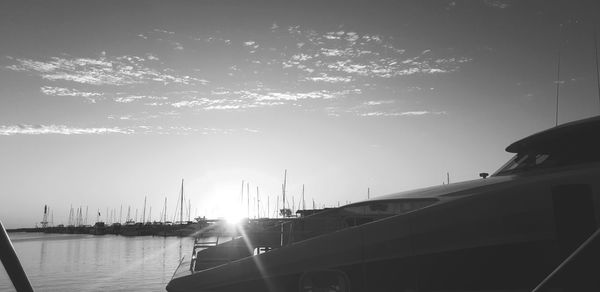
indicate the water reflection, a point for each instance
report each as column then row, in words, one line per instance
column 42, row 255
column 98, row 263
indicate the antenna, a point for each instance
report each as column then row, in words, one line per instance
column 557, row 77
column 597, row 72
column 557, row 87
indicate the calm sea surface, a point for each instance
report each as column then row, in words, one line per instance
column 70, row 262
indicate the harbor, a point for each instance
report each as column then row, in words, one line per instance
column 200, row 228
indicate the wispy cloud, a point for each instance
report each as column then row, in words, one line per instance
column 132, row 98
column 57, row 129
column 60, row 91
column 378, row 102
column 163, row 31
column 340, row 55
column 399, row 114
column 225, row 99
column 323, row 77
column 499, row 4
column 103, row 70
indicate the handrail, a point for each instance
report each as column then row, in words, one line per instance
column 541, row 285
column 11, row 263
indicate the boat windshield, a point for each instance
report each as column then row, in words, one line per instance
column 523, row 162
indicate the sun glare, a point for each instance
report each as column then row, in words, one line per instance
column 234, row 216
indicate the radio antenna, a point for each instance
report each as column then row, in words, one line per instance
column 557, row 88
column 597, row 71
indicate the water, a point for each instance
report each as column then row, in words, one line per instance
column 69, row 262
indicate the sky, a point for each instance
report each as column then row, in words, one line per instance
column 105, row 103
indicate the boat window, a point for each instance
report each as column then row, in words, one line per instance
column 387, row 208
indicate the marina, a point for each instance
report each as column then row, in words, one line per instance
column 381, row 146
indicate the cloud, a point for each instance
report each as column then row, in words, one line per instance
column 57, row 129
column 132, row 98
column 163, row 31
column 123, row 70
column 378, row 102
column 227, row 99
column 143, row 129
column 59, row 91
column 499, row 4
column 323, row 77
column 342, row 54
column 398, row 114
column 178, row 46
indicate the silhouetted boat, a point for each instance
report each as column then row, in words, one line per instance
column 99, row 228
column 531, row 225
column 132, row 228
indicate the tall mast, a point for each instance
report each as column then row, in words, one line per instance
column 283, row 188
column 121, row 214
column 144, row 212
column 303, row 203
column 368, row 193
column 242, row 197
column 257, row 203
column 45, row 218
column 248, row 192
column 181, row 207
column 165, row 213
column 189, row 209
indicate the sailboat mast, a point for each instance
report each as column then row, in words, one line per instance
column 181, row 207
column 144, row 212
column 303, row 202
column 248, row 191
column 283, row 188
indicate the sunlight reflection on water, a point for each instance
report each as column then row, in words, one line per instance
column 67, row 262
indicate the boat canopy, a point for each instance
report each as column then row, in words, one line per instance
column 582, row 134
column 568, row 144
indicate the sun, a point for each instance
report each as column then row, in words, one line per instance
column 234, row 216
